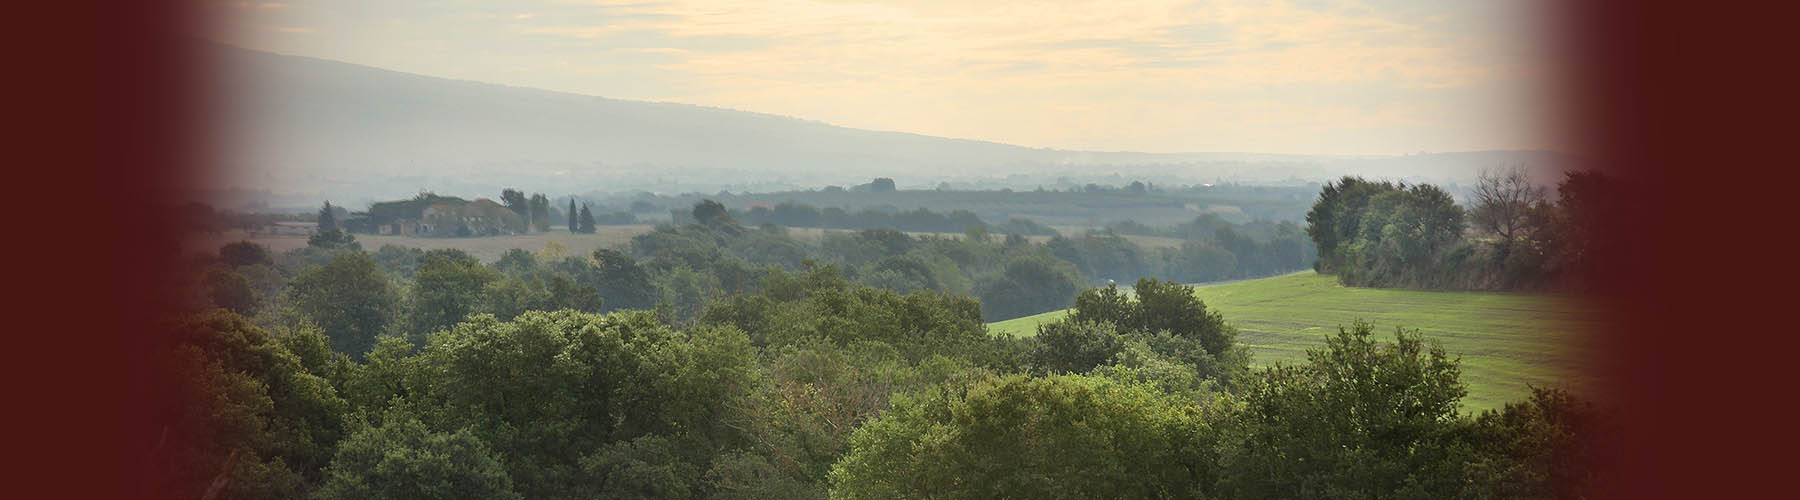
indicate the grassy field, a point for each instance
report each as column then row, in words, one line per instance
column 1506, row 340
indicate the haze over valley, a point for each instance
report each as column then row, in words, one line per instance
column 299, row 130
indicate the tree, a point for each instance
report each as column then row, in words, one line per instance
column 574, row 225
column 557, row 393
column 540, row 212
column 1553, row 445
column 327, row 219
column 711, row 213
column 231, row 290
column 1504, row 206
column 244, row 253
column 402, row 458
column 587, row 220
column 226, row 388
column 1066, row 436
column 333, row 240
column 1360, row 419
column 1027, row 285
column 448, row 286
column 329, row 236
column 1161, row 306
column 1336, row 218
column 1075, row 346
column 515, row 200
column 349, row 298
column 621, row 282
column 1198, row 262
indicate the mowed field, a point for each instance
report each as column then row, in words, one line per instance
column 1507, row 341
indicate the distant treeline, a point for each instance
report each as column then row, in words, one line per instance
column 1512, row 237
column 919, row 220
column 1156, row 204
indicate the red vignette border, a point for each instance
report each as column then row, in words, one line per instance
column 1663, row 92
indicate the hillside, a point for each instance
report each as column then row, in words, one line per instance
column 307, row 129
column 1506, row 340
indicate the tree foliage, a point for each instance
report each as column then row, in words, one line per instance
column 349, row 298
column 1065, row 436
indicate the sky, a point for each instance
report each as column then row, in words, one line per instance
column 1306, row 77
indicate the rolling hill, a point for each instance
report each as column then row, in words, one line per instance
column 304, row 129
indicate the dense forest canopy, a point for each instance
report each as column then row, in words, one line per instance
column 715, row 359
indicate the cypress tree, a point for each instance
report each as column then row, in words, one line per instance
column 570, row 216
column 327, row 220
column 587, row 220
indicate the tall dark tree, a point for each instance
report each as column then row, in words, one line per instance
column 574, row 225
column 327, row 220
column 587, row 220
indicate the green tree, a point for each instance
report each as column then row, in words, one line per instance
column 327, row 219
column 552, row 391
column 1027, row 285
column 1553, row 445
column 1360, row 419
column 1336, row 218
column 587, row 220
column 232, row 291
column 711, row 213
column 349, row 298
column 621, row 282
column 515, row 200
column 449, row 285
column 402, row 458
column 1199, row 262
column 244, row 253
column 574, row 225
column 225, row 389
column 1160, row 306
column 1076, row 346
column 1065, row 436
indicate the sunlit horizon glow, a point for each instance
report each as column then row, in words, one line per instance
column 1329, row 77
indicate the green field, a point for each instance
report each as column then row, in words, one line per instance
column 1506, row 340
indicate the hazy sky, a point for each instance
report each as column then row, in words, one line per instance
column 1351, row 77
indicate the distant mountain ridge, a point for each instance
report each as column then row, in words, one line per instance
column 311, row 126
